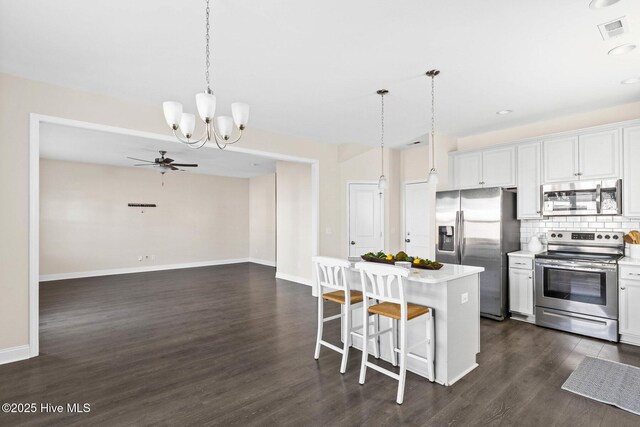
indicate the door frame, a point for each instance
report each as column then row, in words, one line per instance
column 382, row 209
column 35, row 120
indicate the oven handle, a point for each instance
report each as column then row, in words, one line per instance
column 575, row 267
column 598, row 322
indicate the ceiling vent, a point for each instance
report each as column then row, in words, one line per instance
column 614, row 28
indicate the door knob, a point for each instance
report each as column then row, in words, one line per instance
column 407, row 240
column 353, row 243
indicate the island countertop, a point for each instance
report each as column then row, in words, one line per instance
column 447, row 273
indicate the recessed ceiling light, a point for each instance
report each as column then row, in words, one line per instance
column 622, row 49
column 503, row 112
column 631, row 81
column 599, row 4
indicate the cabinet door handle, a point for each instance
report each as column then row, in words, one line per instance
column 622, row 289
column 530, row 277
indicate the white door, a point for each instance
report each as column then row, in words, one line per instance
column 467, row 170
column 599, row 155
column 499, row 167
column 529, row 181
column 365, row 219
column 631, row 193
column 416, row 219
column 560, row 160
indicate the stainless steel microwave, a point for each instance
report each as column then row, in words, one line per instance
column 582, row 198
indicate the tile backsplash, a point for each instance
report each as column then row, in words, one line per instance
column 539, row 227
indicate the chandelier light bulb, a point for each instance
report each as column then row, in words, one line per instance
column 187, row 124
column 224, row 124
column 240, row 113
column 206, row 104
column 172, row 113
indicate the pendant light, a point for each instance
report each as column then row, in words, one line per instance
column 433, row 173
column 383, row 183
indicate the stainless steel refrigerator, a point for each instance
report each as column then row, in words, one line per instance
column 479, row 227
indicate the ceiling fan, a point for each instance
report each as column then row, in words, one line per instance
column 165, row 164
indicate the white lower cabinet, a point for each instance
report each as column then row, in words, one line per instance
column 521, row 291
column 629, row 304
column 521, row 288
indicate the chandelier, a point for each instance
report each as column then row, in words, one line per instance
column 218, row 129
column 383, row 183
column 433, row 173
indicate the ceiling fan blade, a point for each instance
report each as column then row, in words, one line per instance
column 185, row 165
column 168, row 160
column 140, row 160
column 173, row 168
column 145, row 164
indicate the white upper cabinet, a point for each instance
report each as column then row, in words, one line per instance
column 560, row 160
column 499, row 167
column 529, row 180
column 599, row 155
column 631, row 180
column 584, row 157
column 495, row 167
column 467, row 170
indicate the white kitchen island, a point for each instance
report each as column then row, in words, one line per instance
column 453, row 292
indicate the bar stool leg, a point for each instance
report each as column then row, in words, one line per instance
column 403, row 361
column 346, row 333
column 320, row 324
column 376, row 340
column 394, row 341
column 365, row 340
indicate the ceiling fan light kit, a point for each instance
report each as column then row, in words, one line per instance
column 217, row 129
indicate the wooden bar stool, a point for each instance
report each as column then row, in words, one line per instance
column 331, row 273
column 386, row 284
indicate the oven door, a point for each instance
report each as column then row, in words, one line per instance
column 579, row 287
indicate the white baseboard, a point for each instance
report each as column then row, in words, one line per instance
column 262, row 262
column 296, row 279
column 111, row 272
column 13, row 354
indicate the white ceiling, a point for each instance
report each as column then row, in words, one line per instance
column 311, row 68
column 60, row 142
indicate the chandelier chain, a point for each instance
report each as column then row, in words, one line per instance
column 208, row 62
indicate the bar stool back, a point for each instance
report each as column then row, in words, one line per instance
column 331, row 273
column 386, row 284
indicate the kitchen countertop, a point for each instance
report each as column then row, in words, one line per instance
column 629, row 261
column 447, row 273
column 527, row 254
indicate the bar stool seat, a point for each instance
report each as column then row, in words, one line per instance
column 389, row 309
column 338, row 296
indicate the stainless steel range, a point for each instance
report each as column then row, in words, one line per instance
column 577, row 282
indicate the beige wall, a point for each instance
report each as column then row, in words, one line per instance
column 20, row 97
column 293, row 224
column 262, row 218
column 559, row 124
column 85, row 224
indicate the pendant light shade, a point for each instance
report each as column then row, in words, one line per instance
column 383, row 183
column 433, row 177
column 172, row 113
column 206, row 104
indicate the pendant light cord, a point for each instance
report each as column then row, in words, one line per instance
column 208, row 62
column 382, row 134
column 433, row 121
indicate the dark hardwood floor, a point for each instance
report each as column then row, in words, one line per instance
column 230, row 345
